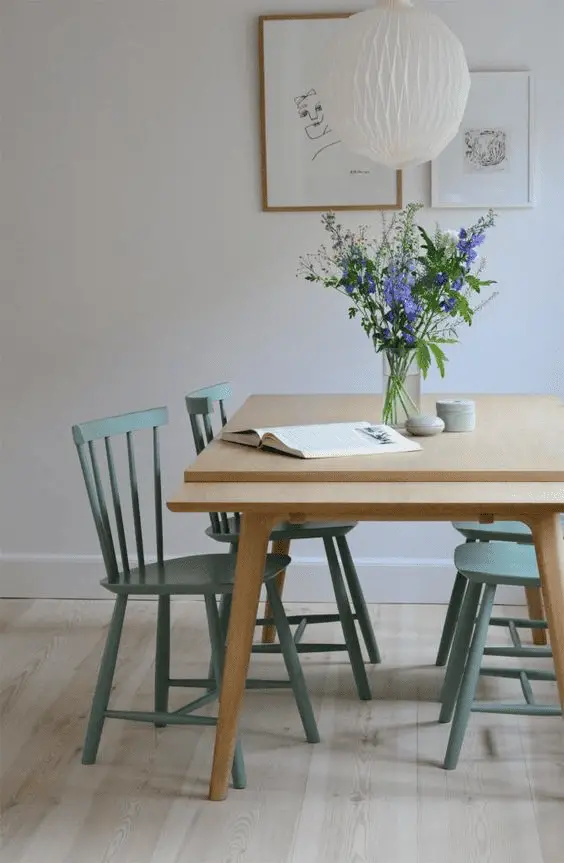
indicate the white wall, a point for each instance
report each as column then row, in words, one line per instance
column 138, row 265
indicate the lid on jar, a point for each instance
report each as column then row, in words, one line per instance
column 456, row 406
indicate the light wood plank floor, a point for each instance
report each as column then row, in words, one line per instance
column 371, row 791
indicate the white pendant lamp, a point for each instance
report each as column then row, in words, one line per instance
column 396, row 84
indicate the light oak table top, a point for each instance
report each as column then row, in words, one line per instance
column 511, row 467
column 518, row 438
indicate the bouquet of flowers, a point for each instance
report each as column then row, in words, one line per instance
column 411, row 291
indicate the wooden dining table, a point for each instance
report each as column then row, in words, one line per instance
column 510, row 468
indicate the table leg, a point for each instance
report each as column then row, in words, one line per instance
column 279, row 546
column 253, row 545
column 549, row 545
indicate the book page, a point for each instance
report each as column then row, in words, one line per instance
column 247, row 437
column 339, row 439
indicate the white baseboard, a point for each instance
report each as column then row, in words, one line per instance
column 387, row 580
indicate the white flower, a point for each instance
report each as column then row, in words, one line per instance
column 447, row 240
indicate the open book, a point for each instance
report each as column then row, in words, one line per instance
column 329, row 440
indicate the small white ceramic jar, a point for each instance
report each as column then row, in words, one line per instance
column 422, row 425
column 458, row 415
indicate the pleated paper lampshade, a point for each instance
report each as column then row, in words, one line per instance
column 396, row 84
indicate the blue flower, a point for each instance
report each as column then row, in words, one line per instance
column 408, row 338
column 398, row 284
column 412, row 309
column 349, row 289
column 441, row 279
column 467, row 245
column 462, row 234
column 449, row 304
column 457, row 285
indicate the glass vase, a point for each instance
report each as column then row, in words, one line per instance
column 402, row 387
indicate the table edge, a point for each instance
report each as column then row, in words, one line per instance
column 194, row 475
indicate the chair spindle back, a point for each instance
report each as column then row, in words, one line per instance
column 200, row 405
column 85, row 436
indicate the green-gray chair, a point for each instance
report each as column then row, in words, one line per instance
column 501, row 531
column 208, row 575
column 484, row 566
column 225, row 528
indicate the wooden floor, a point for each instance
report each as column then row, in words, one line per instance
column 372, row 790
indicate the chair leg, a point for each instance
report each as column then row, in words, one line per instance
column 347, row 623
column 535, row 605
column 104, row 682
column 217, row 641
column 225, row 597
column 358, row 600
column 459, row 651
column 224, row 613
column 162, row 658
column 280, row 546
column 451, row 619
column 292, row 662
column 470, row 679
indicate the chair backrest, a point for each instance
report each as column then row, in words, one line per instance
column 95, row 473
column 200, row 405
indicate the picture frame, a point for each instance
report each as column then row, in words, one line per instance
column 490, row 161
column 304, row 166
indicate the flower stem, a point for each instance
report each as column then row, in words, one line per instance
column 397, row 397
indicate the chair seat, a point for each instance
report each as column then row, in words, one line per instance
column 196, row 574
column 286, row 530
column 502, row 531
column 498, row 563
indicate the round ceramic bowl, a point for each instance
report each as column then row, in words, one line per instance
column 424, row 426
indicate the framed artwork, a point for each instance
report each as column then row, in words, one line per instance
column 304, row 164
column 490, row 163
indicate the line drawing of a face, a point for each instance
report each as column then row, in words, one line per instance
column 310, row 110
